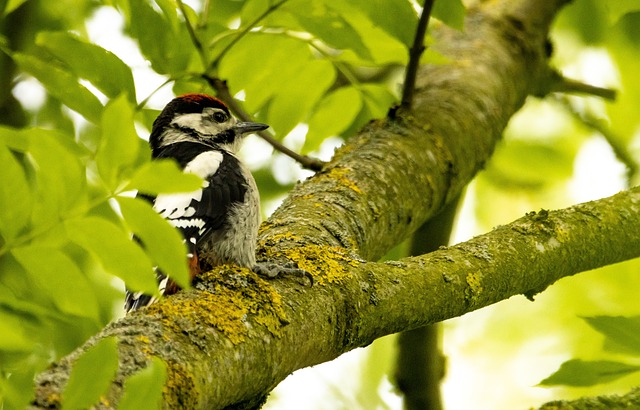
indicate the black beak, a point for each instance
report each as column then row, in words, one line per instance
column 246, row 127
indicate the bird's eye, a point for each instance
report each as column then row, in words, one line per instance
column 219, row 117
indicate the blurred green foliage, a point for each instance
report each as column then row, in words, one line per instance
column 70, row 163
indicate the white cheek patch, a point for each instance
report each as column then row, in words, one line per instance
column 191, row 121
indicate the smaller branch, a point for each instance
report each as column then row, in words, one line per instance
column 192, row 33
column 223, row 93
column 244, row 32
column 557, row 83
column 572, row 86
column 414, row 55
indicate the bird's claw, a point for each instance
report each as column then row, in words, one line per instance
column 272, row 270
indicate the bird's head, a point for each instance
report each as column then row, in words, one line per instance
column 199, row 118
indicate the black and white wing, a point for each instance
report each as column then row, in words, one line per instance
column 199, row 213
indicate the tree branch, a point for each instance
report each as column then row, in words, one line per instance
column 414, row 55
column 277, row 327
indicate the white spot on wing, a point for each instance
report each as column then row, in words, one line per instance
column 173, row 206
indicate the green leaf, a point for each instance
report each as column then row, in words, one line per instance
column 530, row 164
column 14, row 338
column 293, row 102
column 119, row 145
column 11, row 5
column 324, row 22
column 450, row 12
column 62, row 85
column 163, row 242
column 378, row 99
column 622, row 333
column 252, row 9
column 16, row 198
column 163, row 177
column 582, row 373
column 618, row 8
column 70, row 291
column 168, row 48
column 91, row 375
column 60, row 177
column 397, row 18
column 101, row 67
column 143, row 390
column 334, row 114
column 238, row 66
column 115, row 250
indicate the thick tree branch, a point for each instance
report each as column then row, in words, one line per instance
column 243, row 335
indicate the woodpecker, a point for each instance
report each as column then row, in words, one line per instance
column 219, row 222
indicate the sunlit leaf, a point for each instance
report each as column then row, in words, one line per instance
column 324, row 22
column 91, row 375
column 143, row 390
column 168, row 48
column 115, row 250
column 334, row 114
column 89, row 61
column 17, row 390
column 529, row 164
column 16, row 198
column 62, row 84
column 119, row 145
column 291, row 104
column 618, row 8
column 450, row 12
column 60, row 177
column 163, row 242
column 14, row 339
column 253, row 9
column 163, row 176
column 55, row 274
column 261, row 85
column 577, row 372
column 586, row 19
column 622, row 333
column 397, row 18
column 11, row 5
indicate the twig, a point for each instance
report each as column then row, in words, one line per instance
column 222, row 91
column 144, row 102
column 557, row 83
column 620, row 151
column 244, row 32
column 192, row 33
column 414, row 55
column 568, row 85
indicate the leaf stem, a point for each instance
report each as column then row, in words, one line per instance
column 192, row 34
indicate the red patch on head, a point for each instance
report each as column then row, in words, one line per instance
column 203, row 99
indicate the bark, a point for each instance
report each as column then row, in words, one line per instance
column 234, row 336
column 420, row 362
column 630, row 400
